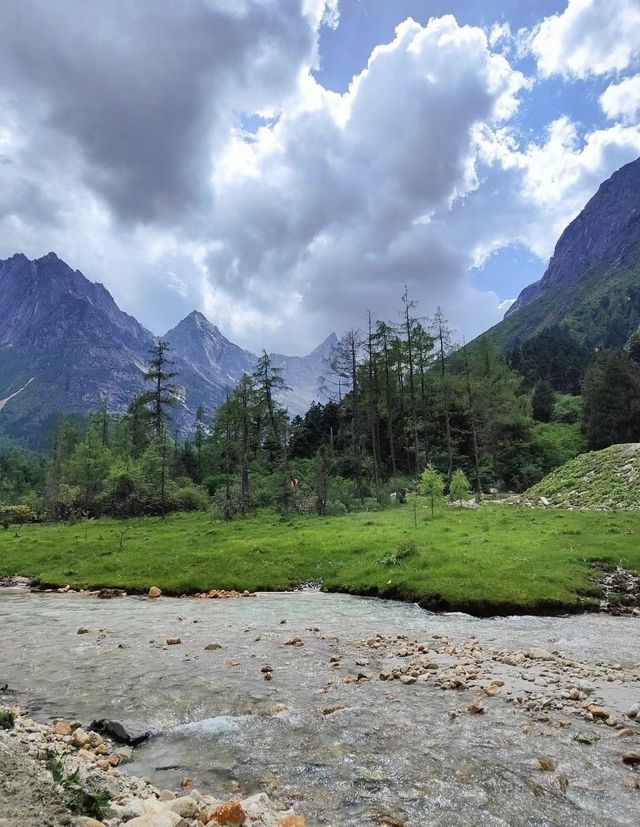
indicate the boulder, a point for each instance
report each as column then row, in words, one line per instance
column 154, row 592
column 185, row 807
column 125, row 732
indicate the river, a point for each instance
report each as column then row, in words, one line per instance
column 350, row 753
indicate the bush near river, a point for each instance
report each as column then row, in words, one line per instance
column 485, row 560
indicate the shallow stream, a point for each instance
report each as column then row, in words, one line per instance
column 393, row 752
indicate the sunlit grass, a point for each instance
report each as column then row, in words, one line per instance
column 490, row 559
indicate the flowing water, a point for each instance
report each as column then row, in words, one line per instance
column 392, row 752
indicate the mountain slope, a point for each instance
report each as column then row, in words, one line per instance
column 592, row 283
column 199, row 343
column 65, row 345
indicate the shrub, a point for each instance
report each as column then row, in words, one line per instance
column 336, row 509
column 459, row 488
column 7, row 718
column 191, row 498
column 17, row 515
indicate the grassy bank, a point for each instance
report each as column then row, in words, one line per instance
column 488, row 560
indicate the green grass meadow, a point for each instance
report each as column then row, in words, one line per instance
column 489, row 560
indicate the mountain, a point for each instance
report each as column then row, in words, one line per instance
column 65, row 345
column 201, row 345
column 592, row 284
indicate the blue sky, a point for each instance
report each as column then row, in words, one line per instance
column 284, row 166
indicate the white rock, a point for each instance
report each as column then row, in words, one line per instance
column 537, row 653
column 185, row 807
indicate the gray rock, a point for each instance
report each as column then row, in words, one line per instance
column 125, row 732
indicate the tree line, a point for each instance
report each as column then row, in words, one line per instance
column 402, row 402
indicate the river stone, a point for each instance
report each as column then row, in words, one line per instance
column 154, row 591
column 185, row 807
column 85, row 821
column 80, row 738
column 537, row 653
column 167, row 819
column 229, row 813
column 125, row 732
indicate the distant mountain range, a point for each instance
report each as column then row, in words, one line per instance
column 592, row 284
column 65, row 345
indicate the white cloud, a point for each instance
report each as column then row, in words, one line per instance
column 591, row 37
column 413, row 176
column 622, row 100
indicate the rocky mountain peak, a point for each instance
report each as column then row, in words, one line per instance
column 606, row 231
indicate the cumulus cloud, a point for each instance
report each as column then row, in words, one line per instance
column 127, row 145
column 144, row 92
column 622, row 100
column 591, row 37
column 340, row 203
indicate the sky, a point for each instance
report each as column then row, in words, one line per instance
column 286, row 166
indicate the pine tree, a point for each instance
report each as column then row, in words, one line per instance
column 160, row 398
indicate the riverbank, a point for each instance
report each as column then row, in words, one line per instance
column 58, row 774
column 485, row 561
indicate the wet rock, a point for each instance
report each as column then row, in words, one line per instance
column 631, row 759
column 294, row 641
column 634, row 712
column 546, row 765
column 292, row 821
column 212, row 647
column 329, row 710
column 154, row 592
column 122, row 731
column 407, row 679
column 476, row 707
column 173, row 641
column 586, row 737
column 82, row 631
column 598, row 711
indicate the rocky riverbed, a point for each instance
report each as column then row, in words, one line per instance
column 345, row 711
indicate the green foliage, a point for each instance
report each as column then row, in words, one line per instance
column 79, row 801
column 567, row 408
column 542, row 401
column 17, row 515
column 432, row 485
column 191, row 498
column 612, row 400
column 7, row 718
column 460, row 489
column 555, row 443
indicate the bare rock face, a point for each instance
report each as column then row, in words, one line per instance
column 607, row 231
